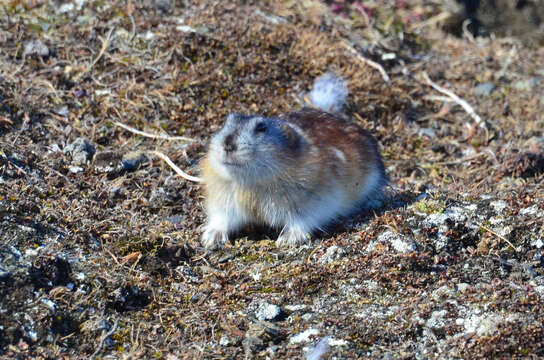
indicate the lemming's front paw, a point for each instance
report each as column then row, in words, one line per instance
column 214, row 239
column 292, row 238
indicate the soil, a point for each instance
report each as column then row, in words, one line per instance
column 99, row 239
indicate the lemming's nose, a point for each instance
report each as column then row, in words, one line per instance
column 229, row 144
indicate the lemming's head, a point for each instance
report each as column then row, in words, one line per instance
column 251, row 149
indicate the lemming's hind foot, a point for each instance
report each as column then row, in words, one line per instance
column 292, row 238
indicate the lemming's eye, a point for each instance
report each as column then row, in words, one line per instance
column 260, row 127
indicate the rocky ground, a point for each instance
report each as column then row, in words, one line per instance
column 99, row 250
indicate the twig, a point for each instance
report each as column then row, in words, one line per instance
column 105, row 45
column 499, row 236
column 149, row 135
column 175, row 167
column 466, row 106
column 101, row 344
column 369, row 62
column 312, row 253
column 431, row 21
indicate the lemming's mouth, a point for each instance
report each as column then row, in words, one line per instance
column 231, row 164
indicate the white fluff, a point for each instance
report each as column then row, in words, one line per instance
column 329, row 93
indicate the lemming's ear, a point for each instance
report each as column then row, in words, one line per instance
column 291, row 136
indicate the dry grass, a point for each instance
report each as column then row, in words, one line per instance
column 116, row 248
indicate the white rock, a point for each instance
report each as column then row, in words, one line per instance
column 185, row 28
column 498, row 205
column 333, row 253
column 297, row 307
column 334, row 342
column 485, row 324
column 65, row 8
column 399, row 242
column 538, row 243
column 50, row 304
column 463, row 287
column 531, row 210
column 267, row 311
column 31, row 252
column 303, row 336
column 224, row 341
column 436, row 320
column 80, row 276
column 75, row 169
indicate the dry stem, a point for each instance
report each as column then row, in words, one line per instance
column 465, row 105
column 101, row 344
column 105, row 44
column 499, row 236
column 175, row 167
column 149, row 135
column 369, row 62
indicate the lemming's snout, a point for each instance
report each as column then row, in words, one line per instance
column 229, row 144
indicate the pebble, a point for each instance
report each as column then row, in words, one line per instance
column 303, row 336
column 81, row 150
column 333, row 253
column 267, row 311
column 484, row 89
column 36, row 48
column 132, row 160
column 399, row 242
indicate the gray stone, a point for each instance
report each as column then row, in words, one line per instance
column 484, row 89
column 132, row 160
column 81, row 150
column 36, row 48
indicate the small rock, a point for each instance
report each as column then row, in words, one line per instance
column 81, row 150
column 66, row 8
column 224, row 341
column 430, row 133
column 75, row 169
column 333, row 253
column 36, row 48
column 132, row 160
column 267, row 311
column 531, row 210
column 484, row 89
column 463, row 287
column 294, row 308
column 437, row 321
column 485, row 325
column 499, row 205
column 453, row 214
column 303, row 336
column 538, row 243
column 399, row 242
column 107, row 161
column 50, row 304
